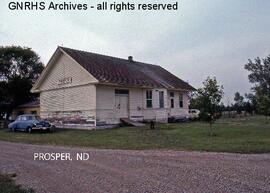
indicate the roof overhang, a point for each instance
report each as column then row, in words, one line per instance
column 145, row 87
column 58, row 52
column 55, row 56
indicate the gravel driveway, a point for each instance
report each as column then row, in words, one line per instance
column 136, row 171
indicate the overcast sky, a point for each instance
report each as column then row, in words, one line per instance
column 203, row 38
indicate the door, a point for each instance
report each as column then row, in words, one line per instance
column 121, row 106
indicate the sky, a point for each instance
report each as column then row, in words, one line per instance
column 202, row 38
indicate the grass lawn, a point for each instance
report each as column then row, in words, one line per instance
column 241, row 135
column 7, row 185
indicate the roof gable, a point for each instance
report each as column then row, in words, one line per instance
column 62, row 67
column 117, row 71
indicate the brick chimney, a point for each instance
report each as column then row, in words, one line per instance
column 130, row 59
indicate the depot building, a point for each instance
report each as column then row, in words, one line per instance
column 80, row 89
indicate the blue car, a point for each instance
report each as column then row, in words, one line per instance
column 29, row 123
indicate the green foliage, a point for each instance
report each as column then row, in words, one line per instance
column 16, row 61
column 243, row 135
column 264, row 102
column 208, row 98
column 260, row 76
column 253, row 104
column 7, row 185
column 238, row 98
column 239, row 102
column 19, row 69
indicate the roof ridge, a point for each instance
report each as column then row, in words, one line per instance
column 115, row 70
column 78, row 50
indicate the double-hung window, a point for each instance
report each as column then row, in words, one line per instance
column 181, row 101
column 161, row 99
column 149, row 103
column 172, row 99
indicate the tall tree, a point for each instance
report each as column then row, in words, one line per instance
column 252, row 103
column 208, row 99
column 239, row 102
column 16, row 61
column 260, row 76
column 19, row 69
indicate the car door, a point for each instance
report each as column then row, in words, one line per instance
column 16, row 123
column 22, row 123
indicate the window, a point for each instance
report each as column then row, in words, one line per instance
column 161, row 99
column 172, row 99
column 23, row 118
column 124, row 92
column 149, row 99
column 30, row 118
column 172, row 103
column 33, row 112
column 181, row 103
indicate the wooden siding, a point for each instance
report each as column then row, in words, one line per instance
column 105, row 112
column 65, row 67
column 71, row 102
column 155, row 113
column 137, row 105
column 80, row 98
column 177, row 111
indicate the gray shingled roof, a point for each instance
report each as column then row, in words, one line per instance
column 122, row 72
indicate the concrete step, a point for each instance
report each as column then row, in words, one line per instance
column 131, row 122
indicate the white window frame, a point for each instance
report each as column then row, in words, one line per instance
column 172, row 100
column 181, row 100
column 149, row 98
column 161, row 100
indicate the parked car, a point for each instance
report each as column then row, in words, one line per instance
column 29, row 123
column 194, row 114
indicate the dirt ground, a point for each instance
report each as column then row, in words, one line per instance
column 135, row 171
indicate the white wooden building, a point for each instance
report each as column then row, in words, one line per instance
column 82, row 89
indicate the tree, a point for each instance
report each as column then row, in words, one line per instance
column 19, row 69
column 239, row 102
column 194, row 101
column 208, row 99
column 260, row 76
column 251, row 104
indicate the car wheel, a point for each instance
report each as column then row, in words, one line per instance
column 29, row 129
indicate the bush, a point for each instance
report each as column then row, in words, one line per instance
column 204, row 116
column 7, row 185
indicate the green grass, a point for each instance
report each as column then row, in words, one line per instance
column 242, row 135
column 7, row 185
